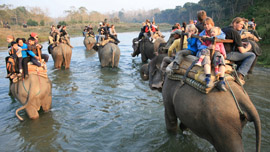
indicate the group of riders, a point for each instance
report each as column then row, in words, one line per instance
column 242, row 50
column 106, row 33
column 23, row 52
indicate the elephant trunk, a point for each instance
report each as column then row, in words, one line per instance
column 18, row 116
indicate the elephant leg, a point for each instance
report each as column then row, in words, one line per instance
column 170, row 116
column 46, row 103
column 228, row 141
column 32, row 112
column 143, row 57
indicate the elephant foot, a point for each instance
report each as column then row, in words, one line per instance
column 32, row 113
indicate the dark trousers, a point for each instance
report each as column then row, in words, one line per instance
column 25, row 66
column 45, row 57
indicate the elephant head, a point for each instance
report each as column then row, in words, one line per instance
column 153, row 72
column 34, row 93
column 61, row 55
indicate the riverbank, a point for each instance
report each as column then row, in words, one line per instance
column 73, row 30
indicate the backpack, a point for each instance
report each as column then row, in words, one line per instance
column 11, row 64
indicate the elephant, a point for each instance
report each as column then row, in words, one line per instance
column 213, row 116
column 61, row 55
column 109, row 54
column 89, row 42
column 33, row 92
column 146, row 48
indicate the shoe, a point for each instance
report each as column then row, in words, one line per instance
column 169, row 71
column 8, row 75
column 221, row 86
column 198, row 63
column 15, row 80
column 175, row 66
column 13, row 76
column 207, row 80
column 137, row 42
column 241, row 80
column 26, row 76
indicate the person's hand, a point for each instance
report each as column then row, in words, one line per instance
column 37, row 57
column 249, row 46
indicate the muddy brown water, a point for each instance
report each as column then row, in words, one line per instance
column 104, row 109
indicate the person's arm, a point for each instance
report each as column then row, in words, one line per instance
column 244, row 49
column 222, row 35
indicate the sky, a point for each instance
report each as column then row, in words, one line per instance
column 56, row 8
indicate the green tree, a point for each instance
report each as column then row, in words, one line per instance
column 31, row 22
column 42, row 23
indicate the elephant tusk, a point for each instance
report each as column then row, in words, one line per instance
column 18, row 116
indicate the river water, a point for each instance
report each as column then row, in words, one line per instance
column 105, row 109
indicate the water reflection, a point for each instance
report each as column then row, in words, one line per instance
column 63, row 81
column 40, row 134
column 89, row 53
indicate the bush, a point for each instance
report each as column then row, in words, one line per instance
column 42, row 23
column 31, row 22
column 62, row 23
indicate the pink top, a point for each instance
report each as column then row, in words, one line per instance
column 220, row 48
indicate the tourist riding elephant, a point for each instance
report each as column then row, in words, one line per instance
column 61, row 55
column 146, row 48
column 89, row 42
column 109, row 55
column 33, row 92
column 213, row 116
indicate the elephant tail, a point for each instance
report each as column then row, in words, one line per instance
column 257, row 124
column 18, row 116
column 113, row 54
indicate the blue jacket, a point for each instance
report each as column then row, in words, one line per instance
column 24, row 52
column 199, row 43
column 192, row 45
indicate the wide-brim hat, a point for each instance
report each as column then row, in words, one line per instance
column 177, row 32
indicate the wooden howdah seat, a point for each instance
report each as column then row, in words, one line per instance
column 196, row 76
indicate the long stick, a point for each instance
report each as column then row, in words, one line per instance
column 39, row 55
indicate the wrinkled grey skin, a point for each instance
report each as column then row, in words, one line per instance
column 144, row 72
column 153, row 68
column 89, row 42
column 61, row 55
column 146, row 48
column 34, row 92
column 212, row 116
column 109, row 55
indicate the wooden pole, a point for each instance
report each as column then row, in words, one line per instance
column 39, row 54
